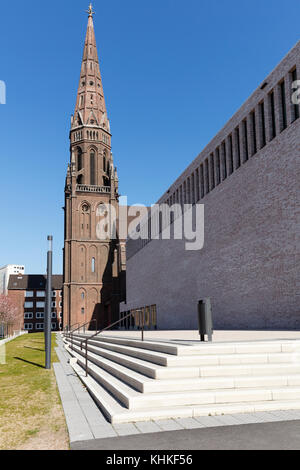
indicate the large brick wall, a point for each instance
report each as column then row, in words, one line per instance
column 250, row 262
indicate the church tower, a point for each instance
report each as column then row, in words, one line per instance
column 91, row 265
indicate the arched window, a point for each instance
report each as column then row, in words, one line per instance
column 93, row 265
column 79, row 159
column 92, row 168
column 85, row 221
column 104, row 162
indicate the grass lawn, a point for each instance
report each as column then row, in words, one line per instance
column 31, row 414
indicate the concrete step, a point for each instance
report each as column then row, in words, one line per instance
column 116, row 413
column 134, row 400
column 150, row 345
column 153, row 371
column 248, row 347
column 145, row 384
column 196, row 360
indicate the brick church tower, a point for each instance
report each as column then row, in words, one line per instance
column 92, row 266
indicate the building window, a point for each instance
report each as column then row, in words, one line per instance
column 202, row 181
column 40, row 305
column 54, row 294
column 212, row 171
column 272, row 115
column 82, row 311
column 253, row 133
column 230, row 155
column 29, row 293
column 197, row 186
column 238, row 147
column 206, row 177
column 28, row 305
column 218, row 166
column 39, row 315
column 53, row 304
column 53, row 326
column 224, row 163
column 93, row 265
column 79, row 159
column 193, row 190
column 262, row 125
column 60, row 315
column 40, row 293
column 184, row 193
column 60, row 294
column 28, row 316
column 92, row 168
column 39, row 326
column 28, row 326
column 283, row 106
column 245, row 138
column 295, row 109
column 53, row 315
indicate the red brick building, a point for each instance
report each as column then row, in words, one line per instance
column 29, row 295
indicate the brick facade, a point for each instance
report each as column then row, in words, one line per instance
column 28, row 294
column 248, row 180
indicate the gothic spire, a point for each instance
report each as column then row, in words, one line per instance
column 90, row 107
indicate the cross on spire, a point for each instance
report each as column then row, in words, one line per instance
column 90, row 11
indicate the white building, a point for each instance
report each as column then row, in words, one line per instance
column 6, row 271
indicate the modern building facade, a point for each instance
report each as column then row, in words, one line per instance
column 93, row 267
column 6, row 271
column 248, row 180
column 29, row 295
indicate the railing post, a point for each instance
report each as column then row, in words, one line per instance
column 86, row 358
column 143, row 322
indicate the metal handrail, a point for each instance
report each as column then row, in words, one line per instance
column 142, row 315
column 70, row 328
column 82, row 326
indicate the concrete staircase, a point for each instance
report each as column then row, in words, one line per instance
column 135, row 381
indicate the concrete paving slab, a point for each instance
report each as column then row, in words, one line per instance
column 169, row 425
column 189, row 423
column 126, row 429
column 209, row 421
column 228, row 420
column 245, row 418
column 103, row 432
column 266, row 417
column 148, row 427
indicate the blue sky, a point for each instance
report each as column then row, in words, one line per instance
column 174, row 72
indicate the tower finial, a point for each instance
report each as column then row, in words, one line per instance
column 90, row 11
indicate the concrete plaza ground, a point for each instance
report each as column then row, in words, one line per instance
column 89, row 429
column 220, row 336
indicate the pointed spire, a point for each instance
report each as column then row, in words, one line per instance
column 90, row 105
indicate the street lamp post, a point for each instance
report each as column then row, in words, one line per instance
column 48, row 306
